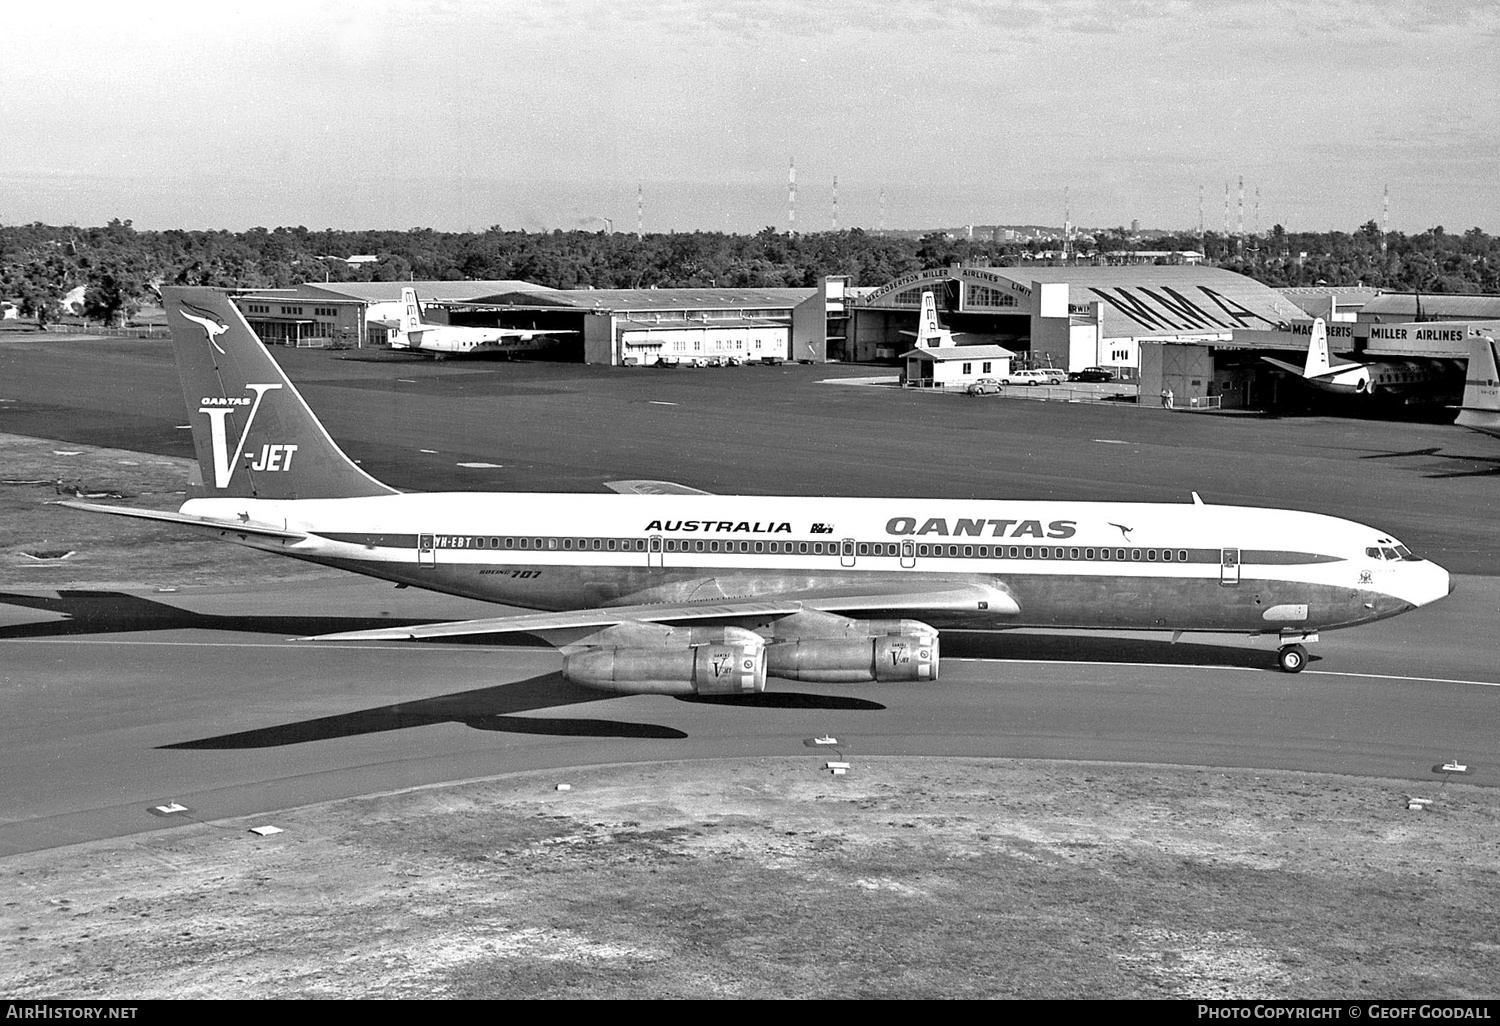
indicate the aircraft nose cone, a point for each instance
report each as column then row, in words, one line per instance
column 1426, row 583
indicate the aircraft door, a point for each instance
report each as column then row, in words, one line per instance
column 653, row 551
column 908, row 553
column 1229, row 566
column 846, row 552
column 426, row 552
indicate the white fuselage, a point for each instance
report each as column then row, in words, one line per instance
column 1176, row 566
column 457, row 339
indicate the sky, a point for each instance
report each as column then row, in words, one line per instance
column 563, row 114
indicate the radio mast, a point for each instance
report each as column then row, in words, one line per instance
column 791, row 197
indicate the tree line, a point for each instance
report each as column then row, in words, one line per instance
column 118, row 267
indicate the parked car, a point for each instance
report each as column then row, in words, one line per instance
column 1040, row 376
column 984, row 386
column 1092, row 374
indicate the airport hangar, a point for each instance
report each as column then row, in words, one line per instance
column 1196, row 330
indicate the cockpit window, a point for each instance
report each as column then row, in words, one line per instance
column 1373, row 552
column 1404, row 552
column 1389, row 553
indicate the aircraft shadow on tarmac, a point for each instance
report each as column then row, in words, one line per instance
column 1100, row 648
column 1488, row 465
column 481, row 708
column 112, row 612
column 492, row 708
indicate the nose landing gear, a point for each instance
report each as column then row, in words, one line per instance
column 1291, row 657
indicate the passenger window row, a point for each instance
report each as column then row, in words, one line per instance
column 829, row 548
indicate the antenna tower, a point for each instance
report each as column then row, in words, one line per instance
column 1201, row 248
column 1385, row 221
column 835, row 202
column 1240, row 244
column 791, row 197
column 1067, row 224
column 640, row 207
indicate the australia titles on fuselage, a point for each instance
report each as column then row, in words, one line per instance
column 959, row 527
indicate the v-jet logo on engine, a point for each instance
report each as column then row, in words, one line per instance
column 270, row 457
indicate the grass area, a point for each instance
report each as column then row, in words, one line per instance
column 112, row 551
column 908, row 878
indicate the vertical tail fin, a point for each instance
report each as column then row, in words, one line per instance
column 1481, row 403
column 411, row 311
column 254, row 434
column 930, row 333
column 929, row 323
column 1318, row 363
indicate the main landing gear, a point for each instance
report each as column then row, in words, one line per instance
column 1291, row 657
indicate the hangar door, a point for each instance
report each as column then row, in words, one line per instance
column 1187, row 371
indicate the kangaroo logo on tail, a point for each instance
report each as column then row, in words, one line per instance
column 205, row 319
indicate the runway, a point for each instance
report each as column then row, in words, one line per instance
column 113, row 703
column 217, row 709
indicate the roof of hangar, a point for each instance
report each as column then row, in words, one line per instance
column 1164, row 300
column 646, row 300
column 1139, row 300
column 1346, row 296
column 1407, row 305
column 631, row 324
column 427, row 291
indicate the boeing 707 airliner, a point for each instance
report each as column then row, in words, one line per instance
column 662, row 589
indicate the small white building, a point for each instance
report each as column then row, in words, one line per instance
column 955, row 366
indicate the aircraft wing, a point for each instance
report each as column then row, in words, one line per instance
column 521, row 333
column 232, row 526
column 653, row 488
column 963, row 597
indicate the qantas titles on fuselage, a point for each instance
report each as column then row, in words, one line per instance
column 900, row 527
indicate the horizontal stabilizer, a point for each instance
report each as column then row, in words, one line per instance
column 653, row 488
column 236, row 526
column 1288, row 367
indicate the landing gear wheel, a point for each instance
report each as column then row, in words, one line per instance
column 1291, row 658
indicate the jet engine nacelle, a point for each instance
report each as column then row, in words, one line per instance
column 894, row 657
column 834, row 650
column 724, row 661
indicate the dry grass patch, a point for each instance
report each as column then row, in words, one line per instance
column 112, row 551
column 909, row 878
